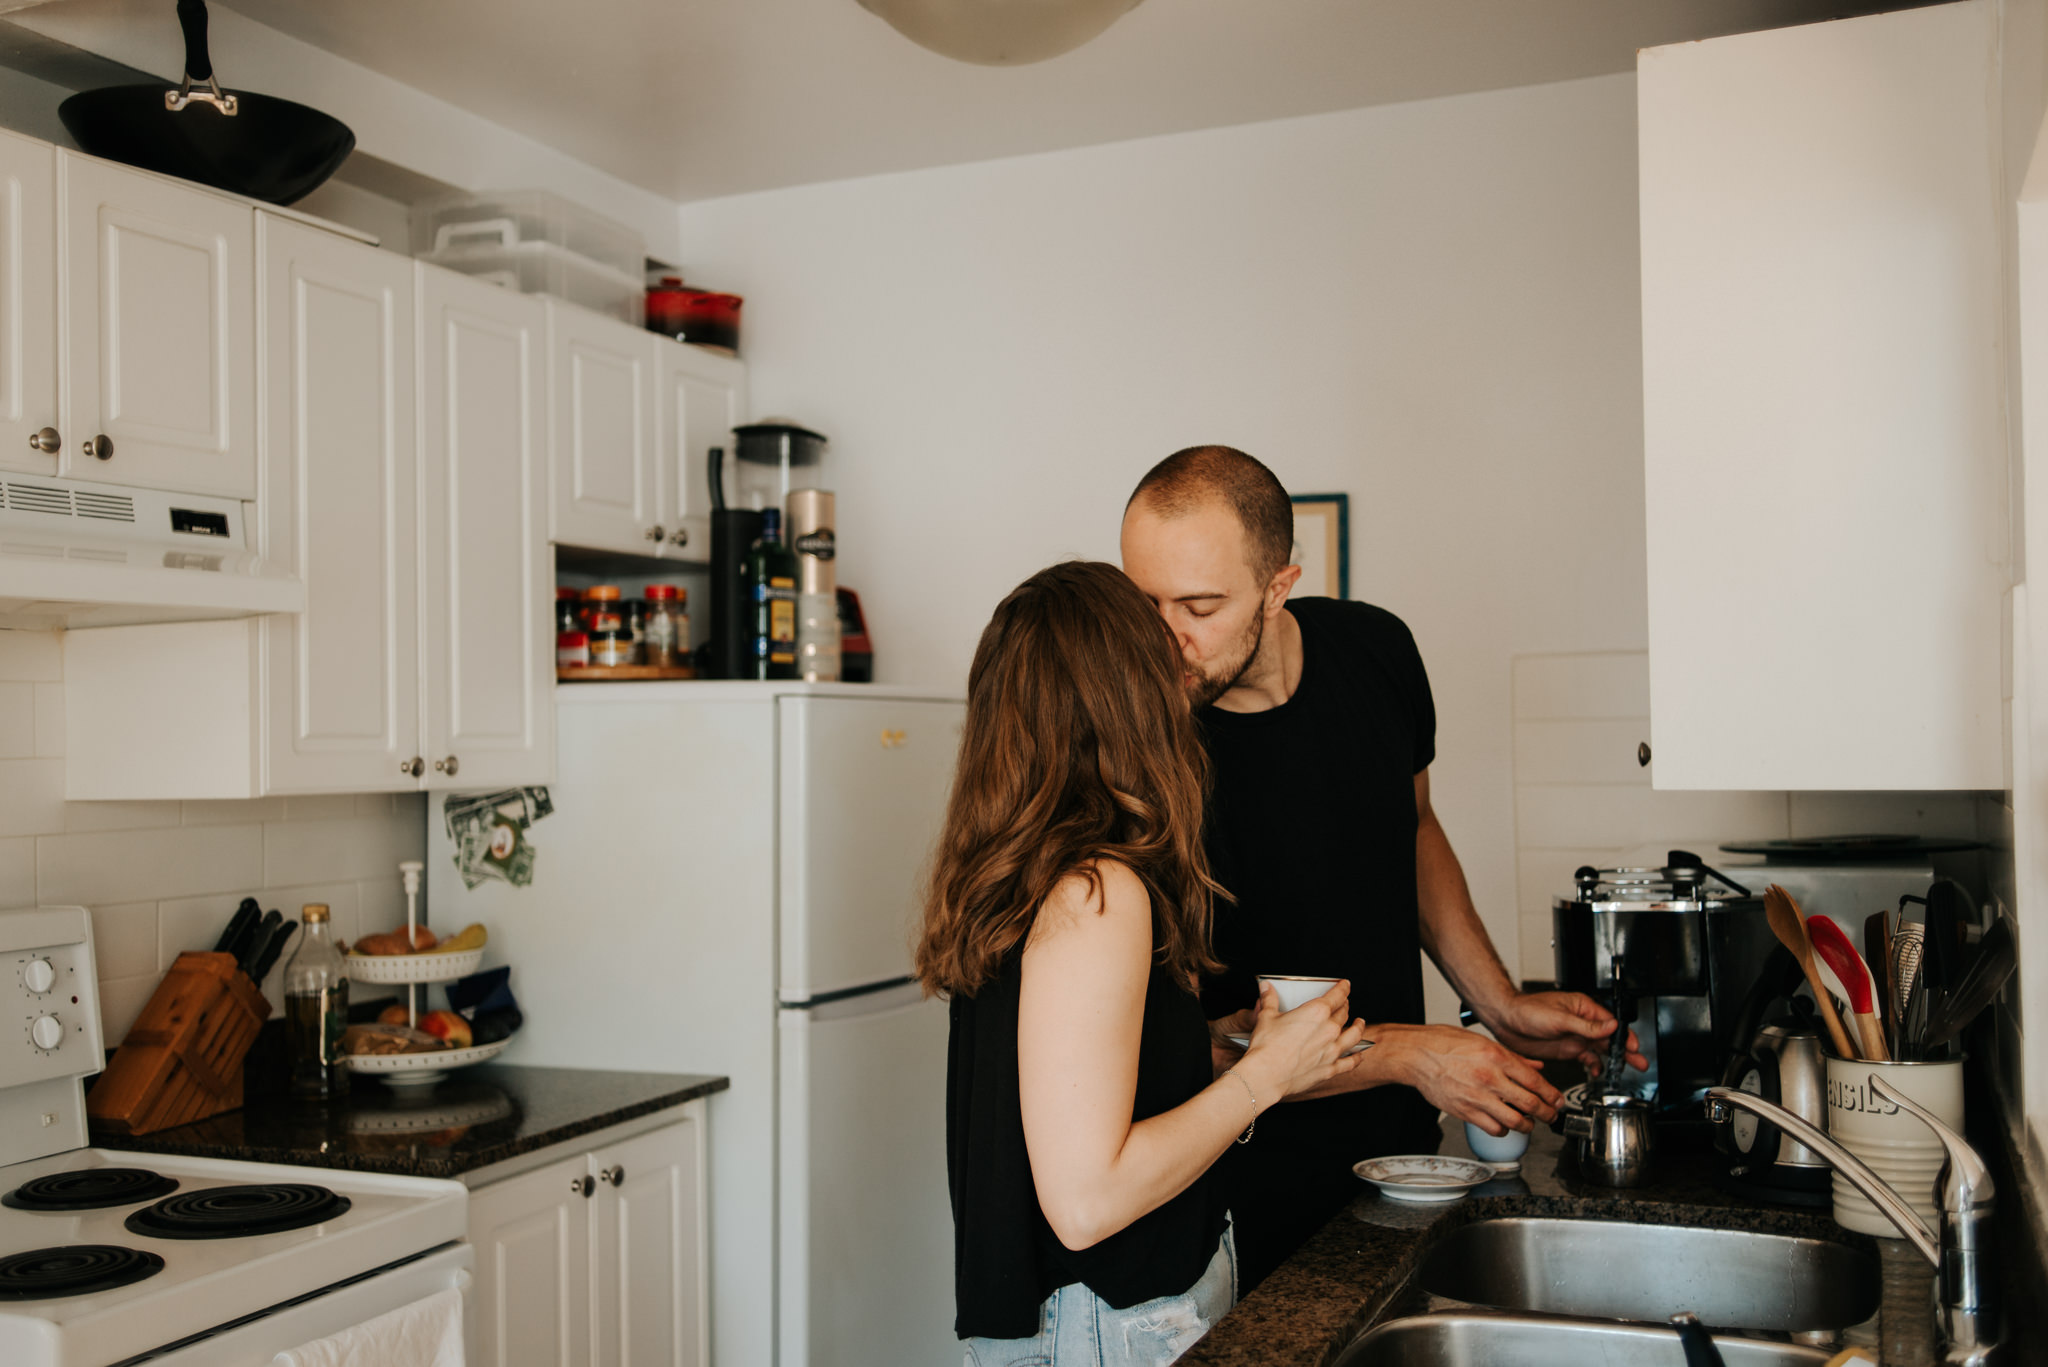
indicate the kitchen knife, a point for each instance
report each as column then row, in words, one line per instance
column 268, row 959
column 240, row 924
column 259, row 941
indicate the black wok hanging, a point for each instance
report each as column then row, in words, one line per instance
column 255, row 145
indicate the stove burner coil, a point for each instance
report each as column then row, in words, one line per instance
column 237, row 1212
column 73, row 1270
column 89, row 1189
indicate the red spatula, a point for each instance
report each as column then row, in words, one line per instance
column 1835, row 948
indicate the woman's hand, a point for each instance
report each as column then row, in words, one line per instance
column 1293, row 1051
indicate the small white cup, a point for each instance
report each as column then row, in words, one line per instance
column 1295, row 992
column 1504, row 1153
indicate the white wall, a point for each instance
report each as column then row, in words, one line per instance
column 1431, row 306
column 162, row 877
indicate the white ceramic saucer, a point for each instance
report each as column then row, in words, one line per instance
column 1424, row 1176
column 1245, row 1042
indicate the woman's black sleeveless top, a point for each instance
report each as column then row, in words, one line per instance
column 1006, row 1259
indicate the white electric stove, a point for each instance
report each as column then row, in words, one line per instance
column 117, row 1258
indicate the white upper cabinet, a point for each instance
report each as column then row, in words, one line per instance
column 28, row 306
column 486, row 574
column 601, row 382
column 703, row 396
column 1823, row 374
column 157, row 297
column 340, row 509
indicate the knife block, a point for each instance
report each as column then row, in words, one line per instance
column 182, row 1059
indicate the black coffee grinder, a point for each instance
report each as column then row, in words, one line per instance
column 773, row 457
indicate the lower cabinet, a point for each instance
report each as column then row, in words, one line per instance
column 597, row 1258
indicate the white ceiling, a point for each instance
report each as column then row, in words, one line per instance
column 695, row 99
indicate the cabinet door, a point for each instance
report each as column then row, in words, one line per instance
column 1824, row 419
column 532, row 1240
column 340, row 508
column 647, row 1265
column 157, row 297
column 601, row 381
column 28, row 302
column 703, row 397
column 488, row 640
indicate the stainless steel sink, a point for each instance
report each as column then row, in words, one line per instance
column 1495, row 1340
column 1615, row 1270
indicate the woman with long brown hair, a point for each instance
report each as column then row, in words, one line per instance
column 1068, row 919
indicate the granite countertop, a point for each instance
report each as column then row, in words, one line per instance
column 480, row 1116
column 1355, row 1271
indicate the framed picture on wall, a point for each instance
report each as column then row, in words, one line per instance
column 1322, row 545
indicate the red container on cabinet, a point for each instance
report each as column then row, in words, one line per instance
column 701, row 317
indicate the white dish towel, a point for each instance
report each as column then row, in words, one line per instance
column 426, row 1333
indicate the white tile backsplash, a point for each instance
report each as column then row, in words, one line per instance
column 121, row 816
column 124, row 939
column 1608, row 686
column 1581, row 798
column 129, row 866
column 32, row 656
column 49, row 720
column 17, row 720
column 31, row 796
column 17, row 872
column 161, row 877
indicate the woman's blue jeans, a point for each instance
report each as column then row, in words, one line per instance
column 1077, row 1328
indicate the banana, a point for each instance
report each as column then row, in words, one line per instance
column 472, row 936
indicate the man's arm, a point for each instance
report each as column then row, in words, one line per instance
column 1553, row 1025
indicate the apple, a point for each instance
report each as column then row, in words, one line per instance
column 447, row 1027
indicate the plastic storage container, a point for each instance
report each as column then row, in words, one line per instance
column 507, row 219
column 543, row 268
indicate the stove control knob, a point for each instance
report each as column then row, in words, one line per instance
column 47, row 1032
column 38, row 976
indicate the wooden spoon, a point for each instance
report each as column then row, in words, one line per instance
column 1790, row 928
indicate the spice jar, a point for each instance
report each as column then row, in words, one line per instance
column 568, row 610
column 667, row 632
column 611, row 645
column 636, row 630
column 572, row 649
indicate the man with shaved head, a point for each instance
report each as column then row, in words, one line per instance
column 1320, row 725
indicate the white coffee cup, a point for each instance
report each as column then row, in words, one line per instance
column 1504, row 1152
column 1295, row 992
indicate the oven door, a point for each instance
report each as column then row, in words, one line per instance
column 255, row 1342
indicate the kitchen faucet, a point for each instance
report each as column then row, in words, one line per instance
column 1963, row 1264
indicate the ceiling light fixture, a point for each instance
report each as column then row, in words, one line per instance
column 1000, row 32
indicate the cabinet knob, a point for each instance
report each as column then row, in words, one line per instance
column 413, row 767
column 47, row 441
column 656, row 532
column 616, row 1174
column 679, row 537
column 447, row 766
column 1643, row 754
column 100, row 447
column 894, row 740
column 583, row 1186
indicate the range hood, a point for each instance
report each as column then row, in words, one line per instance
column 74, row 554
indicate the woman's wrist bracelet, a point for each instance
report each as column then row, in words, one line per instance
column 1246, row 1136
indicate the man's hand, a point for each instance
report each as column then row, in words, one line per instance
column 1559, row 1025
column 1467, row 1074
column 1224, row 1052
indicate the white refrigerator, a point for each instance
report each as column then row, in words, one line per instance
column 728, row 884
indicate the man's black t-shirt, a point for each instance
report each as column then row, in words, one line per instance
column 1312, row 828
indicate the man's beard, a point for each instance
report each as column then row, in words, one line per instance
column 1207, row 688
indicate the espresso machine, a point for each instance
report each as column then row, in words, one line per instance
column 1676, row 951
